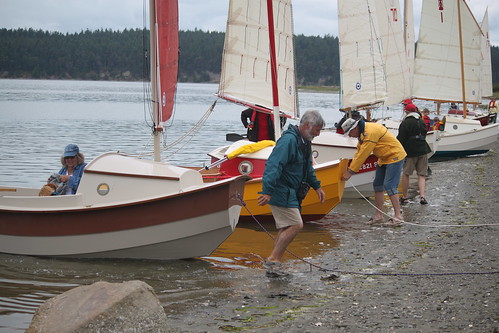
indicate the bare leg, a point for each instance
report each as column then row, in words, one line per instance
column 396, row 206
column 421, row 185
column 405, row 185
column 281, row 242
column 378, row 200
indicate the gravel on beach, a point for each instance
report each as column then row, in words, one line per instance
column 437, row 273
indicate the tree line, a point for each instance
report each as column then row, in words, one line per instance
column 119, row 55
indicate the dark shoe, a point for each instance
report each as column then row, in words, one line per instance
column 404, row 201
column 423, row 201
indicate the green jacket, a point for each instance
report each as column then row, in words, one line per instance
column 284, row 170
column 412, row 135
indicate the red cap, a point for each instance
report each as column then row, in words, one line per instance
column 410, row 108
column 407, row 101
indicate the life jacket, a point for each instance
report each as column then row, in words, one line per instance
column 427, row 122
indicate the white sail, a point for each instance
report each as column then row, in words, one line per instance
column 486, row 68
column 410, row 38
column 398, row 79
column 362, row 72
column 437, row 73
column 246, row 72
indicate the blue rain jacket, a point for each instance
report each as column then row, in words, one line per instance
column 284, row 170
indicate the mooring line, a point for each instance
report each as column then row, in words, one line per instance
column 422, row 225
column 312, row 265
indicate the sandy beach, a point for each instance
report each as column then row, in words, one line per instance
column 436, row 273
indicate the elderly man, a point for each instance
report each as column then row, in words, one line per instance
column 287, row 177
column 376, row 139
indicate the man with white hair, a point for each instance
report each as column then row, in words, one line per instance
column 288, row 176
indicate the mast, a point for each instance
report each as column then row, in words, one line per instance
column 153, row 40
column 273, row 70
column 461, row 54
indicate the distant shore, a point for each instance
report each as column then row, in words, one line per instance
column 324, row 89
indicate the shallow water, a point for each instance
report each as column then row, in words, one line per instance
column 40, row 117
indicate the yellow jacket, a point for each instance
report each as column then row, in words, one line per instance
column 378, row 140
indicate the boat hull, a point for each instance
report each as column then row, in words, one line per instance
column 253, row 164
column 185, row 223
column 464, row 137
column 328, row 173
column 330, row 145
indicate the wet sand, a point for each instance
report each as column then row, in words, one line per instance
column 426, row 276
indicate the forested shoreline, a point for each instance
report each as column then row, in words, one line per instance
column 119, row 55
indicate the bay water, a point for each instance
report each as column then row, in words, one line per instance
column 38, row 118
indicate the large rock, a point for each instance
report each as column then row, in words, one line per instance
column 102, row 307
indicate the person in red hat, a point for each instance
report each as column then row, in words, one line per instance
column 412, row 136
column 407, row 101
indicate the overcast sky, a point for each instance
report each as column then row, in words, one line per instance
column 311, row 17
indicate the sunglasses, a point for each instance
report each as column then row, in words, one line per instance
column 69, row 157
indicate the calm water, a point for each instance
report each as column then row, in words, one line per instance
column 38, row 118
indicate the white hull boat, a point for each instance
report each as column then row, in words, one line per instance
column 127, row 207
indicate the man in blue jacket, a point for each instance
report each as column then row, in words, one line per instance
column 287, row 168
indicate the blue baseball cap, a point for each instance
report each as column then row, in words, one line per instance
column 71, row 150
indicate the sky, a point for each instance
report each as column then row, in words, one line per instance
column 311, row 17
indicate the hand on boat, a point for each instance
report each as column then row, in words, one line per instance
column 346, row 176
column 321, row 194
column 263, row 199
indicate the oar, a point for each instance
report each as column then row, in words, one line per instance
column 233, row 137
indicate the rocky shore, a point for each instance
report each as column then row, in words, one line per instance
column 436, row 273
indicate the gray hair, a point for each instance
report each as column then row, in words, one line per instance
column 313, row 117
column 81, row 159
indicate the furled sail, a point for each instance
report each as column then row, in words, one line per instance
column 246, row 69
column 167, row 55
column 486, row 68
column 409, row 38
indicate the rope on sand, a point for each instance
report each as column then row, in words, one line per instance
column 312, row 265
column 422, row 225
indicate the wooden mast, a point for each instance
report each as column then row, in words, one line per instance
column 461, row 53
column 273, row 70
column 155, row 104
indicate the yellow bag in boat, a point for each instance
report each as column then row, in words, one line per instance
column 251, row 148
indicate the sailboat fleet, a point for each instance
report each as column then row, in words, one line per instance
column 379, row 68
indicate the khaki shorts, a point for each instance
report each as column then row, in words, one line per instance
column 286, row 217
column 418, row 163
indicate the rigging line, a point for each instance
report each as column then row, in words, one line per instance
column 421, row 225
column 191, row 133
column 352, row 272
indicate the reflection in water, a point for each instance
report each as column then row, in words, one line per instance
column 26, row 282
column 249, row 244
column 39, row 118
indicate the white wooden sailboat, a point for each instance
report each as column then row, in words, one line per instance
column 258, row 71
column 127, row 207
column 449, row 68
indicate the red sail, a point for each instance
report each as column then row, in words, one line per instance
column 167, row 22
